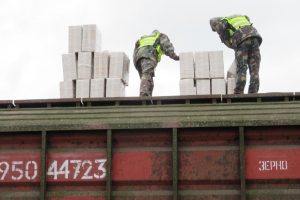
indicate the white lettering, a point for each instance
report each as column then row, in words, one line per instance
column 272, row 165
column 285, row 165
column 34, row 175
column 52, row 170
column 28, row 170
column 17, row 169
column 101, row 169
column 5, row 170
column 88, row 170
column 64, row 169
column 77, row 168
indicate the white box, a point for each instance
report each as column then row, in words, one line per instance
column 216, row 65
column 203, row 86
column 187, row 87
column 231, row 83
column 69, row 66
column 218, row 86
column 83, row 88
column 101, row 64
column 201, row 65
column 115, row 87
column 231, row 73
column 186, row 61
column 119, row 66
column 67, row 89
column 84, row 65
column 91, row 38
column 97, row 87
column 75, row 37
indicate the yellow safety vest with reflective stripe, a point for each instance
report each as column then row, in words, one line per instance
column 237, row 22
column 150, row 41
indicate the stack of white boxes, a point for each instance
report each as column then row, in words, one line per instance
column 216, row 72
column 89, row 72
column 187, row 74
column 202, row 73
column 118, row 75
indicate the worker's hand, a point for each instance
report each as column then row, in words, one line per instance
column 176, row 57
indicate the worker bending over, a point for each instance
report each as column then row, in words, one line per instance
column 238, row 33
column 147, row 53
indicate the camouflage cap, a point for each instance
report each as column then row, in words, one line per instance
column 213, row 22
column 154, row 32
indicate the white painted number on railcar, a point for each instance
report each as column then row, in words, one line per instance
column 19, row 170
column 273, row 165
column 81, row 169
column 69, row 169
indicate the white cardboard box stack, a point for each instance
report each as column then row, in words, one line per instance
column 87, row 71
column 208, row 70
column 187, row 74
column 202, row 74
column 216, row 72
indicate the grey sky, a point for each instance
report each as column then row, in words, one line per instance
column 33, row 35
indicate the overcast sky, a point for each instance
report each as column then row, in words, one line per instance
column 34, row 35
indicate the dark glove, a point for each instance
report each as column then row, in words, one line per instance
column 176, row 57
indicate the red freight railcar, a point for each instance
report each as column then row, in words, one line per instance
column 190, row 148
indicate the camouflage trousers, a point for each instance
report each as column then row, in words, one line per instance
column 146, row 68
column 247, row 56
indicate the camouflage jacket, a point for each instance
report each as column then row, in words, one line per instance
column 150, row 52
column 221, row 27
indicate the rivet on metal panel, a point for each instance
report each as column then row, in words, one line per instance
column 175, row 163
column 43, row 166
column 242, row 162
column 108, row 164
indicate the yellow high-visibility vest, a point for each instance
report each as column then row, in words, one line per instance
column 150, row 41
column 237, row 22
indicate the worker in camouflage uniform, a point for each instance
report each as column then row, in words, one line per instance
column 237, row 32
column 147, row 53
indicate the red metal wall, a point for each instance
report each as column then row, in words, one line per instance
column 208, row 164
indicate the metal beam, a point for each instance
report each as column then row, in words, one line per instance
column 242, row 162
column 109, row 163
column 175, row 163
column 43, row 166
